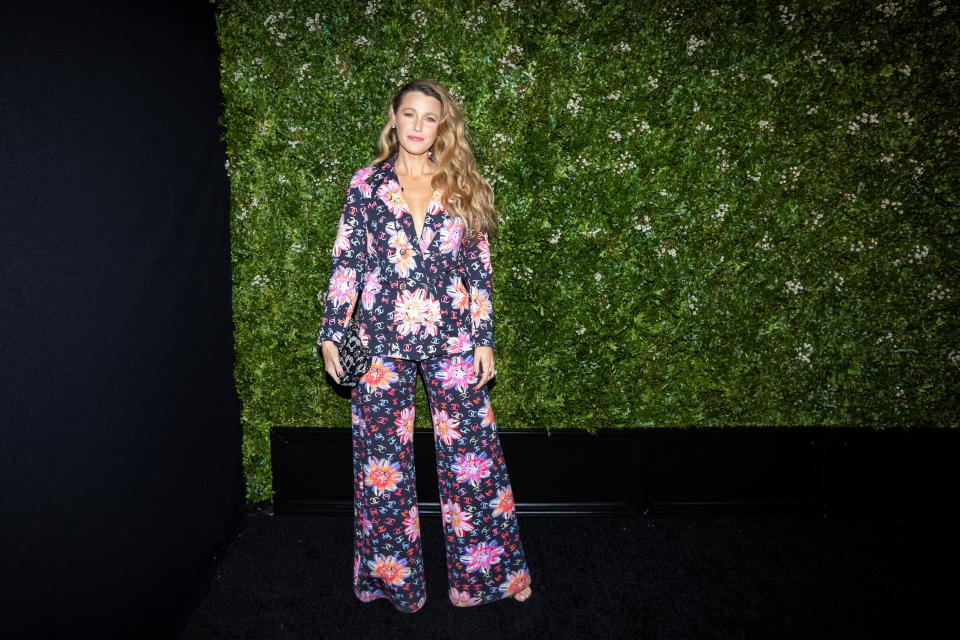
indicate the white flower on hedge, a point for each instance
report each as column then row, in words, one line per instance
column 917, row 170
column 919, row 253
column 803, row 353
column 613, row 95
column 663, row 249
column 510, row 58
column 499, row 140
column 765, row 125
column 261, row 281
column 905, row 116
column 580, row 331
column 472, row 21
column 889, row 9
column 621, row 47
column 815, row 56
column 859, row 245
column 891, row 203
column 865, row 118
column 361, row 41
column 302, row 73
column 523, row 273
column 555, row 237
column 954, row 356
column 597, row 276
column 573, row 104
column 764, row 243
column 419, row 17
column 939, row 292
column 625, row 163
column 815, row 218
column 372, row 8
column 790, row 175
column 505, row 5
column 276, row 34
column 839, row 279
column 885, row 338
column 692, row 303
column 786, row 16
column 652, row 82
column 312, row 24
column 769, row 78
column 794, row 286
column 643, row 226
column 693, row 44
column 721, row 211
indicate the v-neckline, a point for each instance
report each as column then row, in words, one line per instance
column 431, row 204
column 426, row 214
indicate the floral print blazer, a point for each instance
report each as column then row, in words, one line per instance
column 419, row 297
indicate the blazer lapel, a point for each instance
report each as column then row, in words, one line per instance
column 381, row 172
column 432, row 223
column 386, row 187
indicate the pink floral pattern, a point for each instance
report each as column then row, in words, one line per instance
column 484, row 555
column 421, row 297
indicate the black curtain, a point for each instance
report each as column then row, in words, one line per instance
column 120, row 477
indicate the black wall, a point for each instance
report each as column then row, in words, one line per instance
column 120, row 464
column 661, row 471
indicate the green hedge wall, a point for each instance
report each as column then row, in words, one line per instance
column 712, row 213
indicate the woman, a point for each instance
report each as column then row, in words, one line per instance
column 413, row 238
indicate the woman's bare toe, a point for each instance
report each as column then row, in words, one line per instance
column 523, row 595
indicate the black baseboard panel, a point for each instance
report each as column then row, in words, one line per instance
column 803, row 471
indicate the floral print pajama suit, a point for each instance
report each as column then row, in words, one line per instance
column 425, row 303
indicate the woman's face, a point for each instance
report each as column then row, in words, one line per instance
column 417, row 120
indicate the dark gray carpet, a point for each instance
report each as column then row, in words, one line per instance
column 737, row 577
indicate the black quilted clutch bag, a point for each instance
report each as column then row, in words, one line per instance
column 354, row 357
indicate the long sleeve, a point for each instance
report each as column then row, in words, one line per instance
column 347, row 267
column 479, row 271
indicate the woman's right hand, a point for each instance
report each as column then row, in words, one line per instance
column 331, row 359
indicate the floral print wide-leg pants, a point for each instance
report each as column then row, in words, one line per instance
column 485, row 559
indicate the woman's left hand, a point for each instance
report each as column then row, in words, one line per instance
column 483, row 365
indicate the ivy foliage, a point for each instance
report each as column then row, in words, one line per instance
column 711, row 214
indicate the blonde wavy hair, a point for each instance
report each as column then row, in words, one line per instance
column 456, row 168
